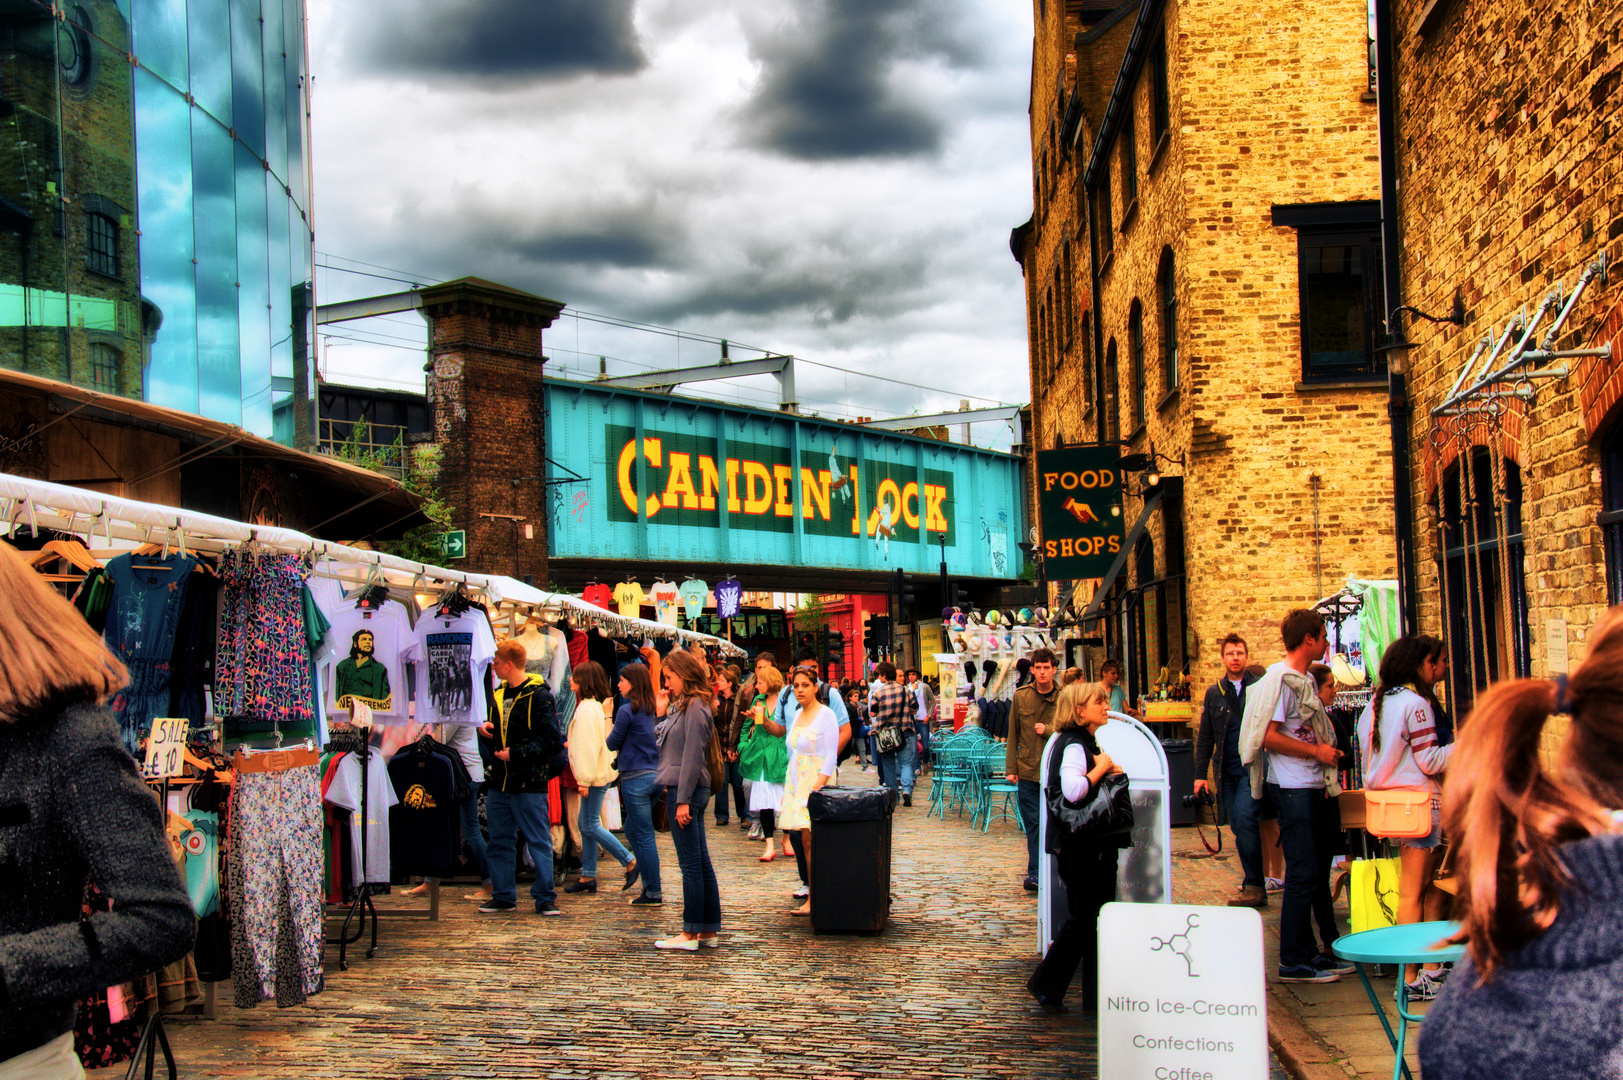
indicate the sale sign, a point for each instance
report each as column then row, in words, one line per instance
column 165, row 748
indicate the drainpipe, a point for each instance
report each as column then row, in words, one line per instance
column 1397, row 401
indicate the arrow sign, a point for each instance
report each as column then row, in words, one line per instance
column 455, row 544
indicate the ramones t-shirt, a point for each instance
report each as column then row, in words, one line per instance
column 452, row 654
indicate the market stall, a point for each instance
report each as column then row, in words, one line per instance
column 289, row 672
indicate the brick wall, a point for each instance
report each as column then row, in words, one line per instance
column 1508, row 121
column 489, row 419
column 1267, row 107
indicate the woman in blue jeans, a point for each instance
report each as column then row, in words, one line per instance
column 684, row 738
column 633, row 738
column 593, row 768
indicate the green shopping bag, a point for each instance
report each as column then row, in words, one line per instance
column 1374, row 893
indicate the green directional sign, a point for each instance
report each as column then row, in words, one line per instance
column 455, row 544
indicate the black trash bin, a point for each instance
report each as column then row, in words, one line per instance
column 850, row 860
column 1180, row 779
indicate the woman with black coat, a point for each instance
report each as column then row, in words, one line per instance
column 72, row 810
column 1086, row 865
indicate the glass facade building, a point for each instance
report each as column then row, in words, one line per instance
column 155, row 237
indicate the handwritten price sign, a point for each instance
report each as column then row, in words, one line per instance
column 164, row 748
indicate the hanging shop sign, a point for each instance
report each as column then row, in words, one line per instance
column 1079, row 505
column 674, row 479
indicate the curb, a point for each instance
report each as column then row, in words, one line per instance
column 1301, row 1053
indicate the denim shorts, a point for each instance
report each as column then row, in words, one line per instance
column 1433, row 838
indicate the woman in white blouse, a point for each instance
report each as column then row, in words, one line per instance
column 1087, row 866
column 814, row 748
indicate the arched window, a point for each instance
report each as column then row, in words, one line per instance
column 1111, row 425
column 1135, row 345
column 1169, row 323
column 1485, row 587
column 1611, row 515
column 1085, row 332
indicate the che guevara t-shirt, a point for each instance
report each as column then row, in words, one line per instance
column 363, row 657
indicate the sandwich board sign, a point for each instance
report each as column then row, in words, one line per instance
column 1181, row 992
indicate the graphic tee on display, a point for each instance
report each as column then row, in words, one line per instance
column 728, row 595
column 628, row 598
column 694, row 594
column 665, row 596
column 364, row 658
column 452, row 654
column 599, row 594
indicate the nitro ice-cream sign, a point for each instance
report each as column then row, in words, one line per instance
column 1181, row 993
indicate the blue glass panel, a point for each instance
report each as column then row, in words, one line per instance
column 275, row 91
column 247, row 75
column 277, row 279
column 164, row 186
column 209, row 25
column 253, row 294
column 214, row 208
column 160, row 39
column 293, row 87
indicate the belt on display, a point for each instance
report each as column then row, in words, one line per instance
column 274, row 760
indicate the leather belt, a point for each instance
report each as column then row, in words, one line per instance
column 274, row 760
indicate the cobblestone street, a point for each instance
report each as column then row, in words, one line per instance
column 939, row 994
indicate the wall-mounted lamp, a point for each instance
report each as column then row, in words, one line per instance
column 1396, row 349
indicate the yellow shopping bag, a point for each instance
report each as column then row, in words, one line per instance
column 1374, row 893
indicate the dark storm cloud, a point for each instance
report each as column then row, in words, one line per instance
column 507, row 39
column 828, row 89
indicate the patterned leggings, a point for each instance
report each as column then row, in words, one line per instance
column 274, row 872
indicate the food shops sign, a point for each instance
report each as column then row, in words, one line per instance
column 1079, row 503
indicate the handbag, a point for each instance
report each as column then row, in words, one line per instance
column 1106, row 813
column 656, row 810
column 889, row 738
column 1397, row 812
column 1373, row 901
column 610, row 814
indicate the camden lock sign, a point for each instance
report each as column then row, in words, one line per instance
column 650, row 478
column 1079, row 504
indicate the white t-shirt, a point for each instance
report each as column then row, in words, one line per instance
column 452, row 656
column 665, row 596
column 378, row 679
column 345, row 793
column 1283, row 769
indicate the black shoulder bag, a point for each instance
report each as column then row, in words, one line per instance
column 1105, row 814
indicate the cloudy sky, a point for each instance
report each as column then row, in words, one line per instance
column 831, row 178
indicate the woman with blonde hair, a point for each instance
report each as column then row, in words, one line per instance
column 1087, row 864
column 1539, row 858
column 72, row 810
column 684, row 771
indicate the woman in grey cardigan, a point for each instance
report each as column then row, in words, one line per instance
column 1540, row 859
column 684, row 773
column 72, row 810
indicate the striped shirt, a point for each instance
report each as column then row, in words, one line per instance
column 1410, row 755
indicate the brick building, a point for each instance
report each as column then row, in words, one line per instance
column 1510, row 192
column 1202, row 281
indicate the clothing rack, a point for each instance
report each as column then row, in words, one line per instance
column 41, row 504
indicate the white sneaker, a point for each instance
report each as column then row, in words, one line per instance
column 802, row 892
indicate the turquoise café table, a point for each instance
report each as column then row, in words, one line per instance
column 1409, row 944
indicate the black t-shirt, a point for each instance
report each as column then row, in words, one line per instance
column 423, row 835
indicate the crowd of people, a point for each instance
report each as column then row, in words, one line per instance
column 1537, row 849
